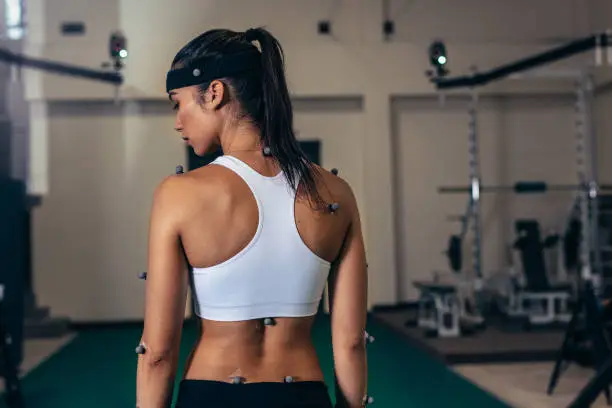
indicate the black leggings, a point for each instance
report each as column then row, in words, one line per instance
column 218, row 394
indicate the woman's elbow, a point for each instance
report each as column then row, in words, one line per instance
column 352, row 344
column 157, row 359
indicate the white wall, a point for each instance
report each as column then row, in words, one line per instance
column 478, row 22
column 89, row 248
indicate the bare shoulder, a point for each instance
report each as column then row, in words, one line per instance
column 203, row 179
column 168, row 190
column 335, row 187
column 179, row 195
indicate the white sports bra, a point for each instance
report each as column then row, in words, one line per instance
column 276, row 274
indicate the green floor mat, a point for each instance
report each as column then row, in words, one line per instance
column 98, row 369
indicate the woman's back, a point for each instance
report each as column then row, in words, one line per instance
column 221, row 221
column 258, row 254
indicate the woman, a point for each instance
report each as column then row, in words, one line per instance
column 262, row 229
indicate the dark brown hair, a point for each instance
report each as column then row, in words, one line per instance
column 263, row 96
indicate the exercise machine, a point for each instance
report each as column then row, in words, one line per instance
column 448, row 309
column 587, row 187
column 539, row 300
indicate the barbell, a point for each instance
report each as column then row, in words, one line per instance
column 524, row 187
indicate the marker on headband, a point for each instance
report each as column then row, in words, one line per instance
column 209, row 68
column 206, row 69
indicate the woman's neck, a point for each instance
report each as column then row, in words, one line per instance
column 243, row 138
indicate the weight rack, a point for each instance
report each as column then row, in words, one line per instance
column 587, row 187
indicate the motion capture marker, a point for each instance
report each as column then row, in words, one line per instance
column 333, row 207
column 367, row 400
column 267, row 151
column 142, row 275
column 196, row 72
column 140, row 349
column 238, row 380
column 268, row 321
column 179, row 169
column 288, row 379
column 367, row 337
column 334, row 171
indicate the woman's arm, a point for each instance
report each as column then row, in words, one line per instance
column 348, row 306
column 166, row 292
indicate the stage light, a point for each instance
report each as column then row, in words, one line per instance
column 118, row 46
column 438, row 57
column 118, row 49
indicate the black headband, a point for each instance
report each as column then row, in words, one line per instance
column 206, row 69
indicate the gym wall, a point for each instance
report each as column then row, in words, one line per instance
column 97, row 163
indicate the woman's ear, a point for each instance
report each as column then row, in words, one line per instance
column 214, row 96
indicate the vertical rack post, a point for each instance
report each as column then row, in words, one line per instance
column 474, row 174
column 587, row 175
column 590, row 159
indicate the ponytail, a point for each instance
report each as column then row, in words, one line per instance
column 262, row 93
column 276, row 118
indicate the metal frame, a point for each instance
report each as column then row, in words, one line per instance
column 474, row 174
column 541, row 308
column 581, row 172
column 439, row 312
column 586, row 149
column 61, row 68
column 600, row 42
column 587, row 186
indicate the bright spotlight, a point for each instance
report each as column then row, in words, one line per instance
column 438, row 57
column 118, row 49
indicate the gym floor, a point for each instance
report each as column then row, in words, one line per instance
column 96, row 368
